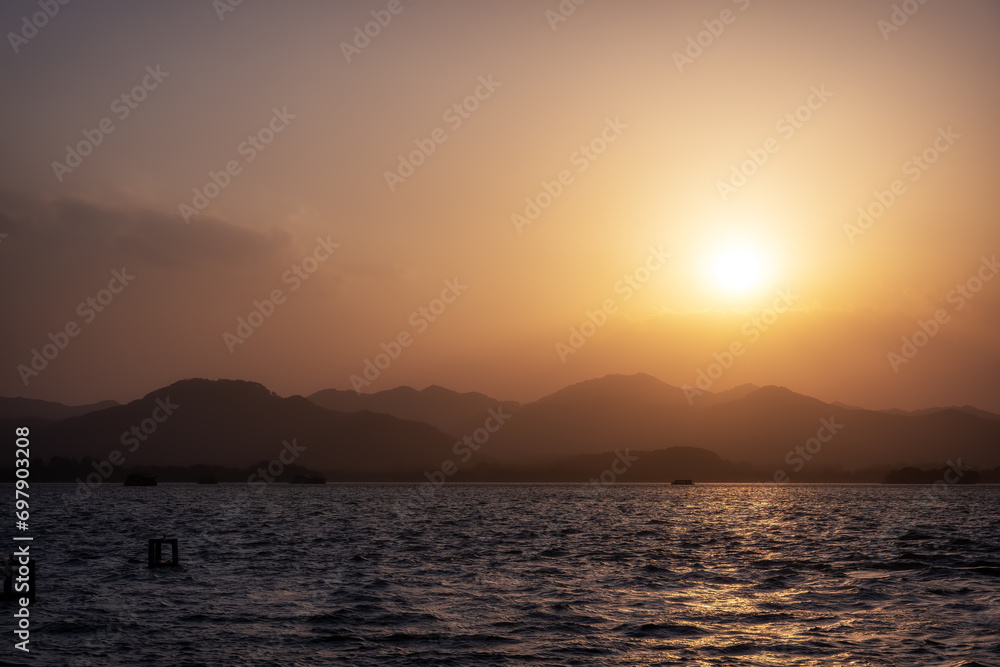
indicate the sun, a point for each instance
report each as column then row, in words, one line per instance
column 738, row 269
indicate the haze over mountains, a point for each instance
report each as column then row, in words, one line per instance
column 759, row 428
column 746, row 433
column 455, row 414
column 19, row 408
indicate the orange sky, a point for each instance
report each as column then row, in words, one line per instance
column 610, row 121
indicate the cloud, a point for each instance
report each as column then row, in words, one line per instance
column 40, row 228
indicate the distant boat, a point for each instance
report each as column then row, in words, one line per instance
column 134, row 479
column 682, row 482
column 308, row 479
column 207, row 480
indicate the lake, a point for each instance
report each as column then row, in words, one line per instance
column 378, row 574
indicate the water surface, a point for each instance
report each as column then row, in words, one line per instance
column 519, row 574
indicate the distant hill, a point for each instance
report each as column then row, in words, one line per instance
column 763, row 427
column 26, row 408
column 736, row 393
column 449, row 411
column 946, row 475
column 743, row 434
column 638, row 389
column 929, row 411
column 588, row 418
column 767, row 424
column 235, row 423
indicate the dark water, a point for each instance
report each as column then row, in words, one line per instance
column 519, row 574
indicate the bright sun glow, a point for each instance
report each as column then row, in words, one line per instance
column 738, row 270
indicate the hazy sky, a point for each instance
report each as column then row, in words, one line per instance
column 630, row 137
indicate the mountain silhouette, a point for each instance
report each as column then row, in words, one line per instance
column 927, row 411
column 449, row 411
column 237, row 423
column 747, row 433
column 31, row 408
column 760, row 427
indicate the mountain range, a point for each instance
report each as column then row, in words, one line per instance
column 446, row 410
column 743, row 434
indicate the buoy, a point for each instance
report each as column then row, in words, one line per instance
column 156, row 552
